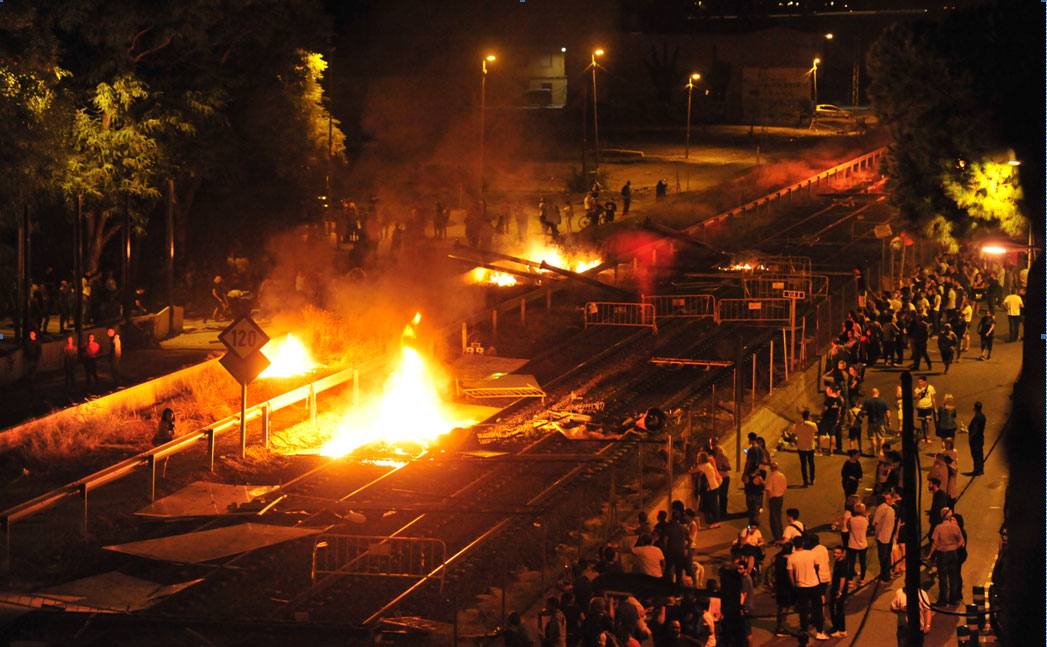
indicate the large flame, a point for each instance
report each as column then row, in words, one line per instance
column 407, row 411
column 288, row 357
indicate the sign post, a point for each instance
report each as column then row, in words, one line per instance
column 244, row 339
column 793, row 296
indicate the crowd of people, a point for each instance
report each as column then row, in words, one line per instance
column 669, row 601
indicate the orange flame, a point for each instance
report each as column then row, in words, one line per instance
column 484, row 275
column 408, row 411
column 539, row 251
column 288, row 356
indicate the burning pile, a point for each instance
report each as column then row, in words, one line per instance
column 537, row 252
column 408, row 411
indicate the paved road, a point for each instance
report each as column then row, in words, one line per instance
column 981, row 501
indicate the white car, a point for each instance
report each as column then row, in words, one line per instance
column 829, row 111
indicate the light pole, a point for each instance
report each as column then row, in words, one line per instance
column 690, row 89
column 490, row 58
column 596, row 123
column 814, row 75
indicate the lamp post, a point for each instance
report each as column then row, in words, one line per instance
column 596, row 123
column 490, row 58
column 690, row 89
column 814, row 76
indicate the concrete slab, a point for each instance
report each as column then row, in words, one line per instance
column 208, row 545
column 204, row 499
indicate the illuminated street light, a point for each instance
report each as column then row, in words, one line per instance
column 994, row 250
column 829, row 36
column 490, row 58
column 690, row 88
column 814, row 75
column 563, row 50
column 596, row 123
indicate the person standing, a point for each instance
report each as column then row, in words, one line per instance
column 830, row 421
column 899, row 606
column 851, row 474
column 723, row 469
column 945, row 424
column 706, row 484
column 923, row 401
column 883, row 527
column 553, row 624
column 1013, row 305
column 70, row 358
column 627, row 197
column 877, row 414
column 947, row 344
column 843, row 572
column 805, row 431
column 520, row 215
column 946, row 542
column 754, row 490
column 803, row 573
column 986, row 333
column 976, row 440
column 939, row 503
column 90, row 358
column 754, row 457
column 857, row 541
column 116, row 353
column 775, row 487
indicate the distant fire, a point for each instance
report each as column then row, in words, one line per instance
column 742, row 267
column 289, row 357
column 408, row 411
column 484, row 275
column 575, row 261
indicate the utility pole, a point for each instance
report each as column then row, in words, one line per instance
column 490, row 58
column 910, row 515
column 22, row 325
column 125, row 272
column 690, row 90
column 737, row 404
column 596, row 121
column 78, row 267
column 169, row 253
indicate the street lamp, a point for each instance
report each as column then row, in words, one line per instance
column 814, row 74
column 829, row 36
column 490, row 58
column 690, row 88
column 596, row 123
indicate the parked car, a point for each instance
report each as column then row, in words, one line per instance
column 829, row 111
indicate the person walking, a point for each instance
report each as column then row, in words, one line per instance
column 877, row 415
column 775, row 487
column 986, row 333
column 857, row 540
column 947, row 345
column 843, row 572
column 627, row 197
column 1013, row 305
column 976, row 440
column 754, row 490
column 919, row 333
column 805, row 431
column 946, row 542
column 851, row 474
column 923, row 401
column 883, row 522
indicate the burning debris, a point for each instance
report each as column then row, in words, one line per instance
column 532, row 256
column 408, row 411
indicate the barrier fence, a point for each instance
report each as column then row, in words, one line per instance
column 80, row 488
column 753, row 311
column 616, row 313
column 680, row 306
column 380, row 556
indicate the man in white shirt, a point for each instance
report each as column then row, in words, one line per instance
column 805, row 431
column 803, row 572
column 883, row 522
column 775, row 487
column 793, row 526
column 899, row 605
column 1013, row 304
column 648, row 558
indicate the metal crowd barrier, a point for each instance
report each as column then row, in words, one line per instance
column 376, row 555
column 680, row 306
column 774, row 285
column 149, row 458
column 753, row 311
column 615, row 313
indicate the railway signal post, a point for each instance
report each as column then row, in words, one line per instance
column 244, row 339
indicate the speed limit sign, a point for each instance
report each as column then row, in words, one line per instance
column 243, row 337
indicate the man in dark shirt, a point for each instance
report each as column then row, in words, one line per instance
column 753, row 457
column 676, row 562
column 830, row 421
column 843, row 572
column 976, row 439
column 876, row 413
column 737, row 589
column 939, row 502
column 920, row 332
column 851, row 473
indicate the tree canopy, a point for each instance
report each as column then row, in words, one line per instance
column 942, row 91
column 108, row 99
